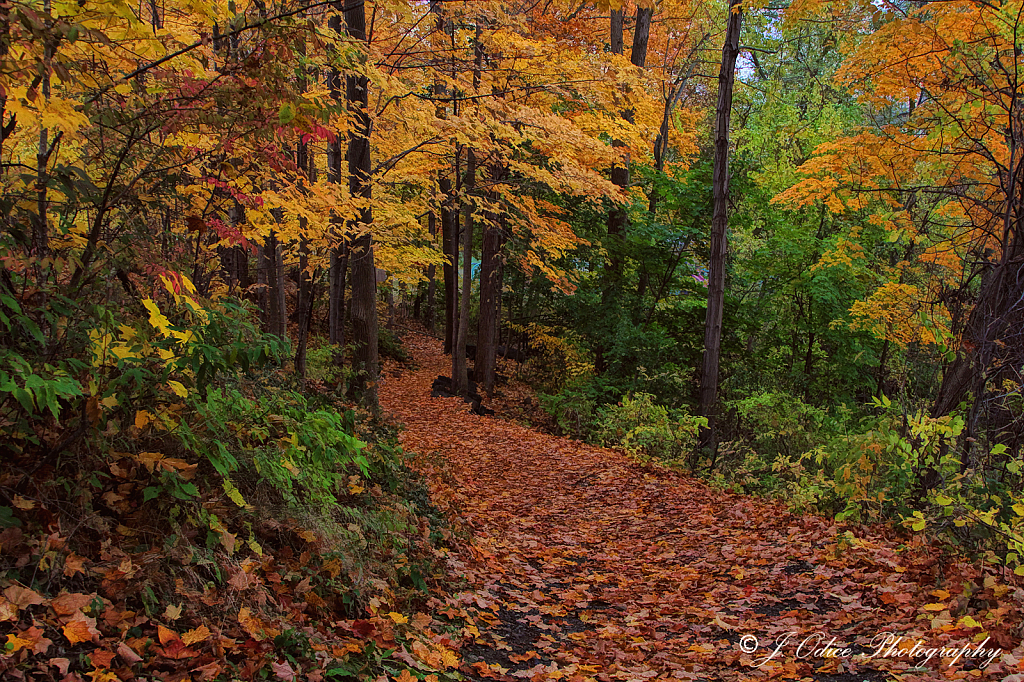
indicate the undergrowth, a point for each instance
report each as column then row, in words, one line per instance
column 172, row 503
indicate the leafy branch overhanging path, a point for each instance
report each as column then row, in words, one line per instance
column 587, row 565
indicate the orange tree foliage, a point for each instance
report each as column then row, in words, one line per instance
column 937, row 170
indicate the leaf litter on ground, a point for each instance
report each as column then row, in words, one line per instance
column 587, row 565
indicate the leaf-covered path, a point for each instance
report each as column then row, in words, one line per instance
column 585, row 564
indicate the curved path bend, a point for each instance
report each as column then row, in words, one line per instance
column 585, row 565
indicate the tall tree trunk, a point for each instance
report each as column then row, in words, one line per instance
column 274, row 292
column 337, row 276
column 449, row 238
column 339, row 252
column 304, row 304
column 490, row 300
column 449, row 246
column 364, row 274
column 460, row 382
column 431, row 277
column 719, row 228
column 460, row 385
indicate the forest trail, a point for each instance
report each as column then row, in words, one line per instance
column 588, row 565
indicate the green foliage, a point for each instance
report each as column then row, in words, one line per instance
column 389, row 345
column 646, row 429
column 573, row 410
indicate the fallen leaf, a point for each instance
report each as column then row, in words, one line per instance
column 81, row 628
column 101, row 659
column 23, row 597
column 283, row 671
column 200, row 634
column 166, row 635
column 68, row 603
column 24, row 503
column 73, row 565
column 127, row 654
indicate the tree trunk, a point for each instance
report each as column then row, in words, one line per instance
column 304, row 303
column 490, row 300
column 449, row 238
column 339, row 252
column 460, row 385
column 450, row 247
column 272, row 265
column 364, row 274
column 719, row 227
column 431, row 276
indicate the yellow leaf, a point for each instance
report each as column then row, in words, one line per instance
column 397, row 617
column 157, row 319
column 200, row 634
column 178, row 388
column 968, row 622
column 234, row 494
column 23, row 503
column 15, row 643
column 934, row 607
column 172, row 612
column 142, row 417
column 109, row 402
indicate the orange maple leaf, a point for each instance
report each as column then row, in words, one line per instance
column 81, row 628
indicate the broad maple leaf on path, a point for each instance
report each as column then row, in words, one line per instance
column 586, row 565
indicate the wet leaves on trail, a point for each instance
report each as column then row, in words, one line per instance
column 586, row 565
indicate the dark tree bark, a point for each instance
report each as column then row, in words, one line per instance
column 339, row 254
column 450, row 247
column 460, row 384
column 449, row 237
column 364, row 274
column 719, row 228
column 273, row 294
column 304, row 304
column 490, row 301
column 431, row 277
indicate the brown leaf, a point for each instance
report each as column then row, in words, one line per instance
column 39, row 643
column 23, row 597
column 101, row 659
column 73, row 565
column 8, row 611
column 127, row 654
column 283, row 671
column 70, row 602
column 61, row 664
column 208, row 671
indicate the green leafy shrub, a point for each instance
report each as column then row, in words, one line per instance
column 574, row 411
column 646, row 429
